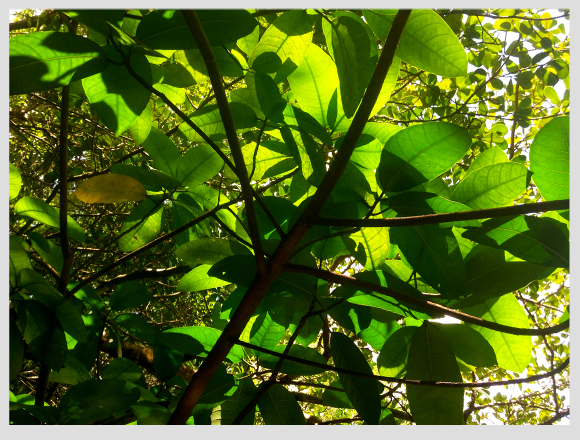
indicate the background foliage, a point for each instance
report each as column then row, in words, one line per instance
column 242, row 195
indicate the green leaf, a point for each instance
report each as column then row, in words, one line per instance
column 210, row 250
column 268, row 94
column 168, row 29
column 18, row 258
column 351, row 50
column 197, row 165
column 299, row 119
column 197, row 341
column 70, row 318
column 291, row 367
column 227, row 412
column 129, row 295
column 467, row 344
column 150, row 413
column 434, row 253
column 550, row 159
column 166, row 361
column 72, row 373
column 420, row 153
column 427, row 41
column 283, row 44
column 490, row 156
column 380, row 328
column 269, row 154
column 279, row 407
column 199, row 279
column 392, row 360
column 166, row 156
column 369, row 245
column 115, row 95
column 534, row 239
column 47, row 60
column 513, row 351
column 493, row 272
column 40, row 288
column 122, row 369
column 431, row 358
column 334, row 398
column 492, row 186
column 266, row 332
column 146, row 220
column 43, row 334
column 44, row 213
column 47, row 249
column 142, row 126
column 314, row 84
column 209, row 120
column 237, row 269
column 95, row 400
column 362, row 392
column 15, row 182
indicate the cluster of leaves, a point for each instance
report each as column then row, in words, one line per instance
column 262, row 215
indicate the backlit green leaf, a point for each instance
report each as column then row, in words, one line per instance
column 47, row 60
column 115, row 95
column 15, row 182
column 492, row 186
column 146, row 221
column 392, row 360
column 41, row 211
column 351, row 49
column 513, row 351
column 550, row 159
column 421, row 153
column 427, row 41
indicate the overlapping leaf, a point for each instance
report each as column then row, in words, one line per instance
column 421, row 153
column 47, row 60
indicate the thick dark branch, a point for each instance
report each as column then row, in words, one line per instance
column 429, row 305
column 215, row 77
column 431, row 219
column 260, row 284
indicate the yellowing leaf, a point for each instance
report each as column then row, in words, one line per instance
column 110, row 188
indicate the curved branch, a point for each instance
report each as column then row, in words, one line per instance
column 431, row 219
column 429, row 305
column 215, row 77
column 427, row 383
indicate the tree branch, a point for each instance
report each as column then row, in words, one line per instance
column 215, row 77
column 429, row 305
column 429, row 383
column 430, row 219
column 260, row 284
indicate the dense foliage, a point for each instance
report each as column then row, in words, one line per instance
column 259, row 217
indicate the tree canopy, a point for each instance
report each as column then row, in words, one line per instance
column 262, row 216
